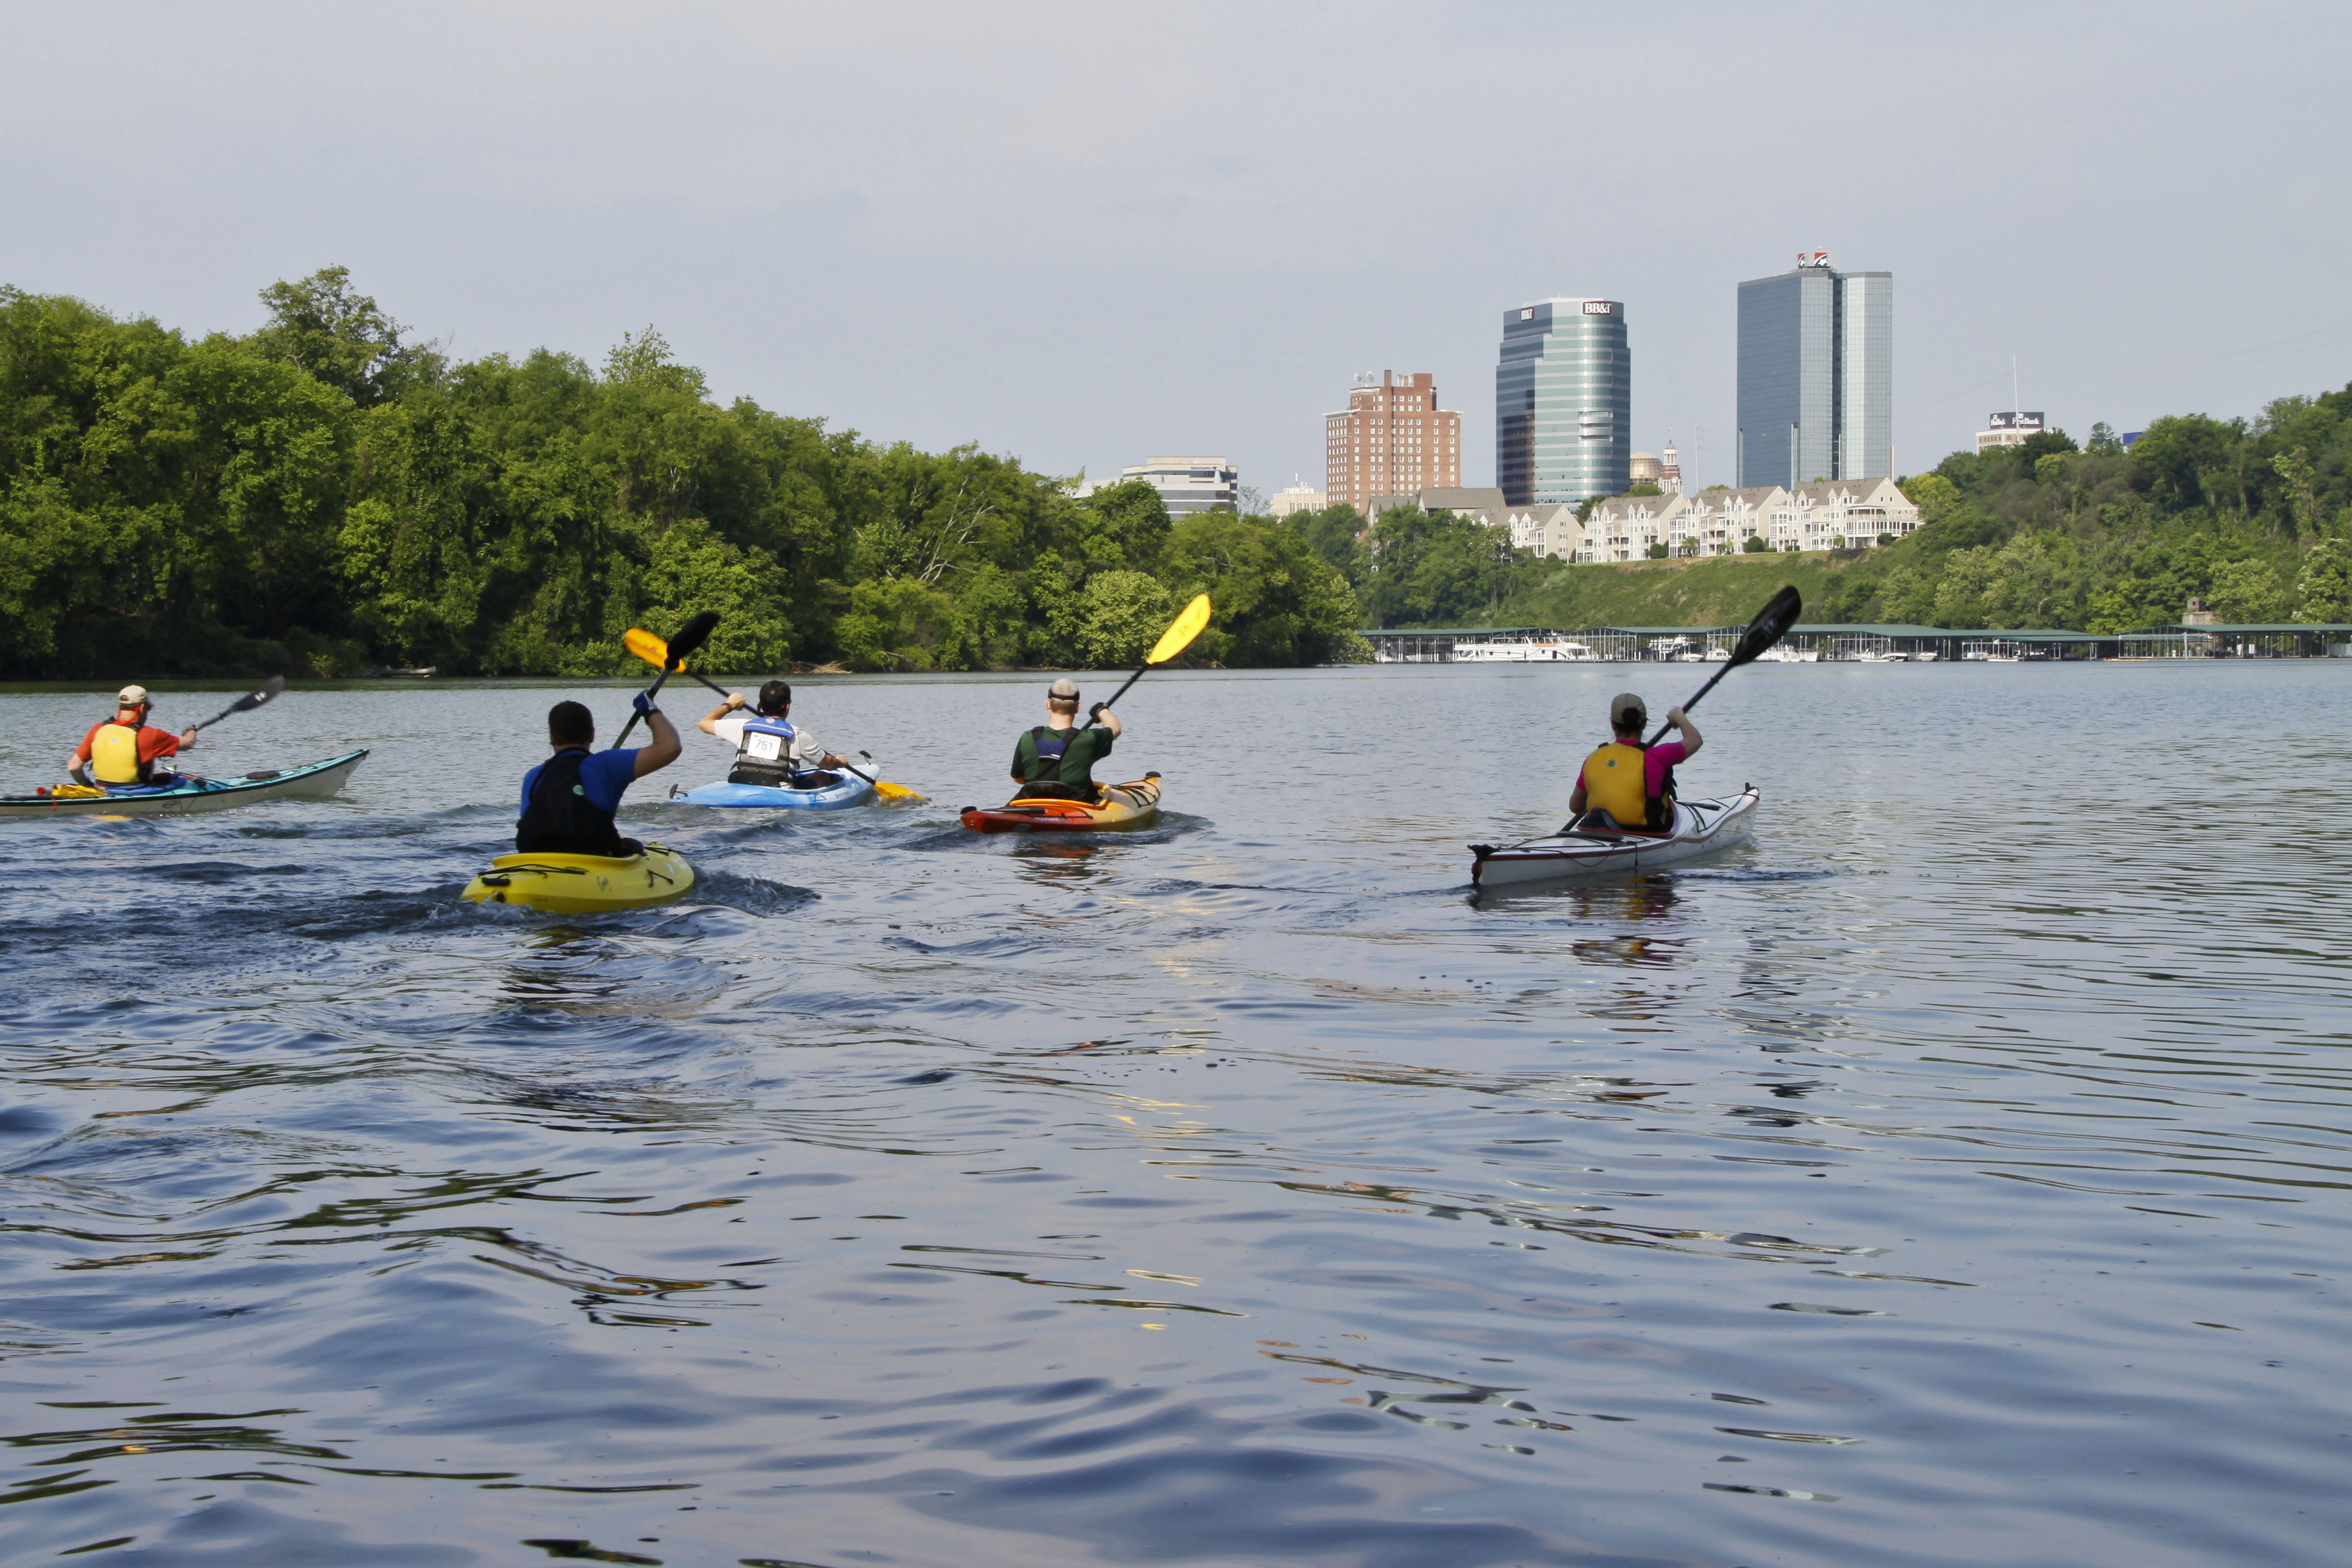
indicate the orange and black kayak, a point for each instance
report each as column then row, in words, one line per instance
column 1134, row 805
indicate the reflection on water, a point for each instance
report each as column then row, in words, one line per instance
column 1953, row 1176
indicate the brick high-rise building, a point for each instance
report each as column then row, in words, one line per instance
column 1391, row 439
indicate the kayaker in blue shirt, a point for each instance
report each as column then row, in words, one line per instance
column 568, row 801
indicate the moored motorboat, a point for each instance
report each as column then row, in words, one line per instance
column 1700, row 827
column 846, row 789
column 186, row 794
column 584, row 884
column 1131, row 805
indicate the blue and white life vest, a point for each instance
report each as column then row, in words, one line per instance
column 767, row 738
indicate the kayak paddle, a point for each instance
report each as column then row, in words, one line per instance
column 1771, row 625
column 247, row 703
column 1173, row 641
column 691, row 636
column 653, row 650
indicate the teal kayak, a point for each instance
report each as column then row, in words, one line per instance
column 185, row 793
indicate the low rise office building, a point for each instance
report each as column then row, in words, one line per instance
column 1188, row 485
column 1296, row 498
column 2009, row 430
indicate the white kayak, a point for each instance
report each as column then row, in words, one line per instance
column 1700, row 827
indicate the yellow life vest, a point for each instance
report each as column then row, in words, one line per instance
column 114, row 755
column 1614, row 783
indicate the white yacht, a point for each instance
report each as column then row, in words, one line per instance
column 1524, row 651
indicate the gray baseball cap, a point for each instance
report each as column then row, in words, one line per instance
column 1627, row 712
column 1064, row 686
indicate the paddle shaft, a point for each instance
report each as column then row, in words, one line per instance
column 245, row 704
column 1121, row 691
column 1771, row 625
column 722, row 691
column 1702, row 691
column 652, row 691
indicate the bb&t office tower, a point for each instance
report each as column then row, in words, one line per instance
column 1564, row 403
column 1816, row 375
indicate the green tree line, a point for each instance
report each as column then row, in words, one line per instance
column 2254, row 518
column 324, row 497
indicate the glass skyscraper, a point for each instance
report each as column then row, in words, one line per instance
column 1816, row 377
column 1564, row 403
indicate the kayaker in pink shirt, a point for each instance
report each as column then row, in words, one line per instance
column 1613, row 792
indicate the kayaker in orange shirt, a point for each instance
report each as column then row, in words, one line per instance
column 124, row 750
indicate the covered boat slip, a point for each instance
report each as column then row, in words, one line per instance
column 1855, row 643
column 2284, row 639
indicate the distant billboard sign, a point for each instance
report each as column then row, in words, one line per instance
column 2013, row 421
column 1812, row 258
column 1598, row 306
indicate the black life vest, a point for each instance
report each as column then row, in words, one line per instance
column 561, row 819
column 1051, row 747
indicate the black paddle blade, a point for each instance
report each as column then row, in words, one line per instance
column 1771, row 625
column 692, row 636
column 253, row 699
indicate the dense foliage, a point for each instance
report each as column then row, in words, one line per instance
column 1416, row 568
column 321, row 496
column 2254, row 518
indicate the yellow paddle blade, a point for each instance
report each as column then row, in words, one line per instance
column 1178, row 638
column 646, row 646
column 888, row 791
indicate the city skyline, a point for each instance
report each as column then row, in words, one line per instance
column 790, row 243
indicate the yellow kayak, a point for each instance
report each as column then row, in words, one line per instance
column 584, row 884
column 1132, row 804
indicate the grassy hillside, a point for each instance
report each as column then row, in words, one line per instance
column 1722, row 590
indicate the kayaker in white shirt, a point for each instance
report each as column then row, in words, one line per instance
column 727, row 722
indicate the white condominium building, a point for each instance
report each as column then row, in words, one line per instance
column 1624, row 527
column 1720, row 522
column 1841, row 513
column 1551, row 532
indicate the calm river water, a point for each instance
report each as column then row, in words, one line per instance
column 1957, row 1175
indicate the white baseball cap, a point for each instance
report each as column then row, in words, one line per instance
column 130, row 697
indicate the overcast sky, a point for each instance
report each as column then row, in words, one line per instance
column 1087, row 234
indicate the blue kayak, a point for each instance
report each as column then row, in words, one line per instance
column 847, row 789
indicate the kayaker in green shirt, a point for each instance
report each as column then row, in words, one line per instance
column 1056, row 760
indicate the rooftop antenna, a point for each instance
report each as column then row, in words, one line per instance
column 2016, row 399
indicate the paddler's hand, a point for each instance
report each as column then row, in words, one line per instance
column 833, row 760
column 1675, row 717
column 734, row 701
column 187, row 739
column 643, row 703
